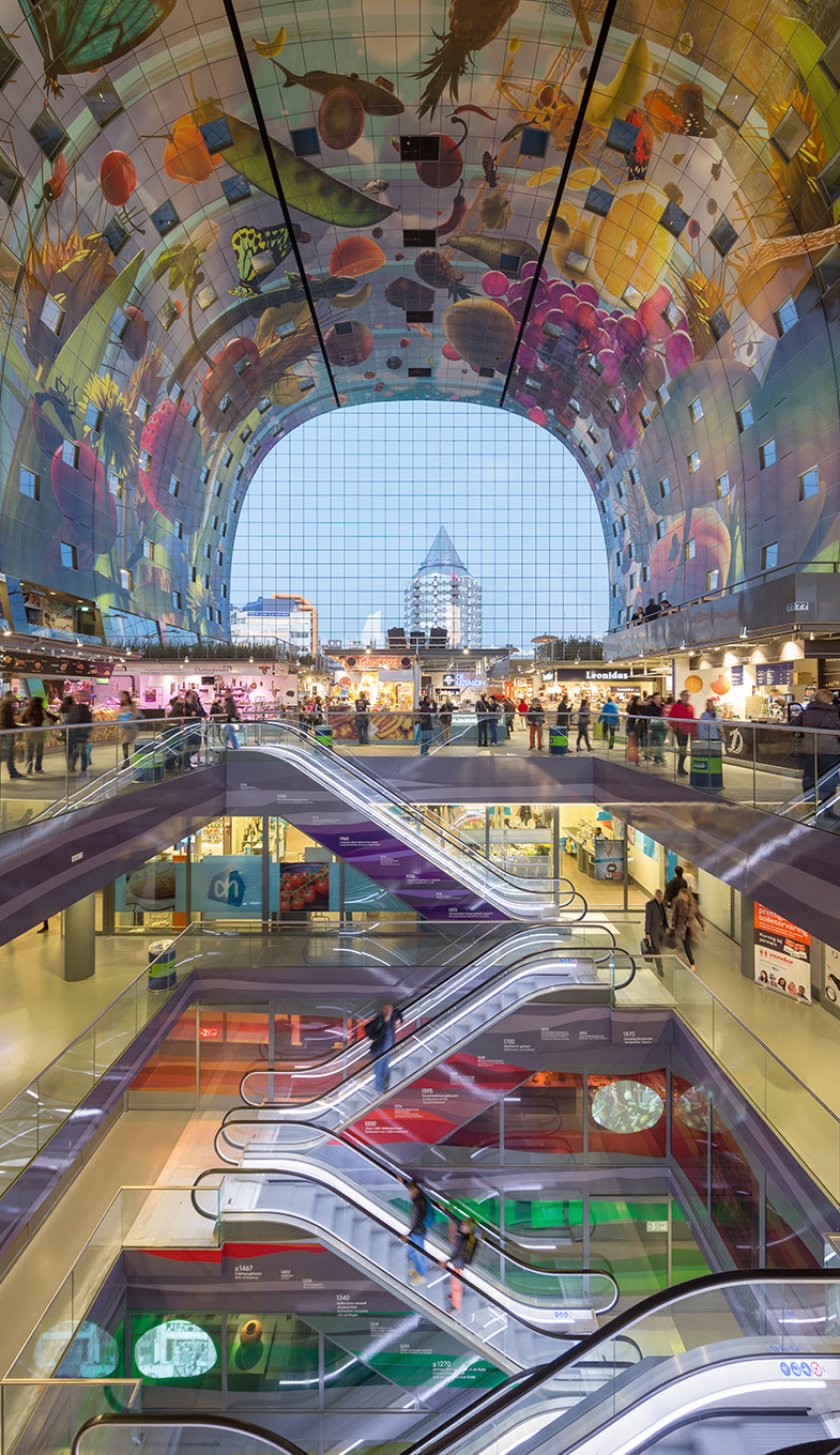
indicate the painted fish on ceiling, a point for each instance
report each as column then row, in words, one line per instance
column 378, row 97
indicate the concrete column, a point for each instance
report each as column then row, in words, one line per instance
column 80, row 939
column 748, row 938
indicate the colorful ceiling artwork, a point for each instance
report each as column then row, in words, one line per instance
column 217, row 220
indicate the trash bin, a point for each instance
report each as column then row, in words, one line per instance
column 558, row 741
column 148, row 763
column 162, row 971
column 324, row 735
column 706, row 765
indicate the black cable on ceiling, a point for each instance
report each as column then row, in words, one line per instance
column 597, row 56
column 265, row 138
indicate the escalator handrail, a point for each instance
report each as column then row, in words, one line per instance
column 208, row 1421
column 386, row 791
column 604, row 952
column 495, row 1402
column 430, row 1023
column 490, row 1235
column 107, row 783
column 511, row 1309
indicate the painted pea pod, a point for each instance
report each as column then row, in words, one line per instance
column 306, row 188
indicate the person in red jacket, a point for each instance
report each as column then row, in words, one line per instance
column 681, row 718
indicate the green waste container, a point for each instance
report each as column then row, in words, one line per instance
column 324, row 735
column 162, row 969
column 558, row 741
column 706, row 765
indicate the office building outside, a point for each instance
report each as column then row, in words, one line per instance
column 443, row 594
column 278, row 618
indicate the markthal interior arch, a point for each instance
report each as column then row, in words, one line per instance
column 413, row 1046
column 620, row 221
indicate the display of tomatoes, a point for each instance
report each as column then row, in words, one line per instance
column 303, row 889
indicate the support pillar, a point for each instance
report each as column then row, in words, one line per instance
column 80, row 939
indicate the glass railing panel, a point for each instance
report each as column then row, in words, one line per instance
column 737, row 1049
column 45, row 1415
column 810, row 1129
column 695, row 1002
column 64, row 1085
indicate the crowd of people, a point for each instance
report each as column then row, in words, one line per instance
column 651, row 611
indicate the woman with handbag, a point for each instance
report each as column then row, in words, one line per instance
column 685, row 917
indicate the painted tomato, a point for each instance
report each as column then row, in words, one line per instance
column 117, row 178
column 234, row 384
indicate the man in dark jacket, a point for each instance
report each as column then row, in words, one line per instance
column 382, row 1033
column 80, row 723
column 415, row 1238
column 426, row 711
column 482, row 717
column 656, row 925
column 673, row 887
column 821, row 752
column 8, row 723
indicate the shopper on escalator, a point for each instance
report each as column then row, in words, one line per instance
column 382, row 1033
column 415, row 1238
column 463, row 1250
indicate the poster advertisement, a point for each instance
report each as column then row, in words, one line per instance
column 609, row 859
column 304, row 888
column 782, row 955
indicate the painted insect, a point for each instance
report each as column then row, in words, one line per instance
column 252, row 243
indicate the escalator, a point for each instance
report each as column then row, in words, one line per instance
column 384, row 835
column 513, row 1308
column 758, row 1353
column 337, row 1090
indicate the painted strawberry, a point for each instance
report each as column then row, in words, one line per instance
column 171, row 461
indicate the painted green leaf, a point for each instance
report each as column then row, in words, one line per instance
column 82, row 353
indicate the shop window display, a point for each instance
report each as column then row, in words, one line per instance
column 735, row 1195
column 627, row 1114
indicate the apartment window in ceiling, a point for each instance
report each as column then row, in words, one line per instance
column 174, row 486
column 770, row 556
column 695, row 409
column 713, row 580
column 93, row 418
column 786, row 317
column 694, row 462
column 143, row 408
column 149, row 550
column 690, row 549
column 126, row 579
column 52, row 315
column 176, row 600
column 660, row 529
column 790, row 133
column 228, row 459
column 49, row 133
column 744, row 417
column 809, row 483
column 736, row 103
column 30, row 483
column 9, row 60
column 67, row 556
column 723, row 485
column 70, row 454
column 767, row 454
column 664, row 487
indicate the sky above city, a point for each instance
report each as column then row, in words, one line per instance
column 344, row 510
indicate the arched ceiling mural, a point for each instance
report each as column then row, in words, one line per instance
column 218, row 219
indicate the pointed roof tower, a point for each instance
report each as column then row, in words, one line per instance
column 442, row 555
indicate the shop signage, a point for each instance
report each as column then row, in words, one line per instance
column 774, row 674
column 44, row 664
column 736, row 676
column 589, row 674
column 782, row 955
